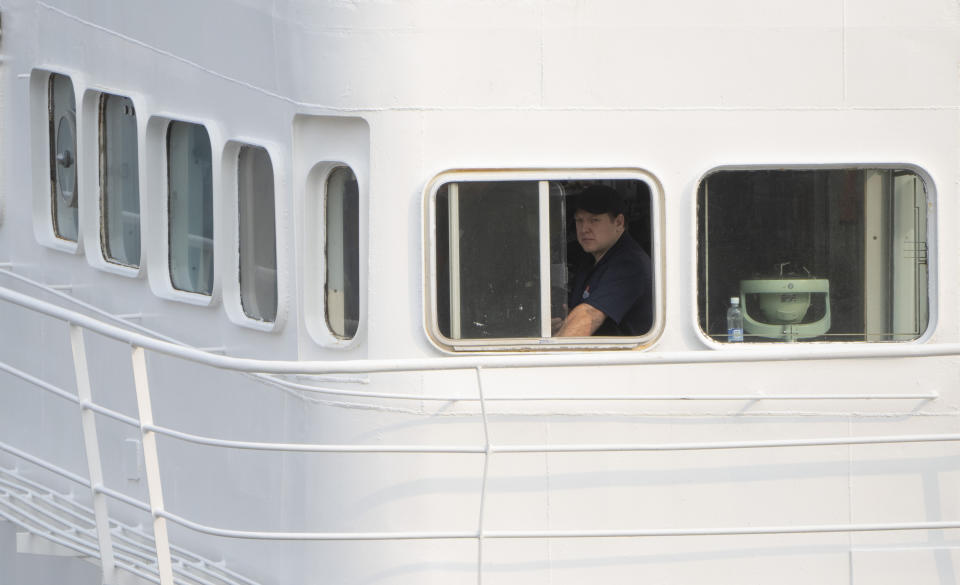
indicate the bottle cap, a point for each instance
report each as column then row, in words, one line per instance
column 735, row 301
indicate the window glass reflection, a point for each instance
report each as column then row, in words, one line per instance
column 257, row 219
column 63, row 157
column 119, row 181
column 190, row 190
column 514, row 259
column 814, row 255
column 343, row 253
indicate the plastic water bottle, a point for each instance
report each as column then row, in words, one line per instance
column 734, row 321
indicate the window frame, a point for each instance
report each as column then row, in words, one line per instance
column 155, row 204
column 40, row 149
column 930, row 189
column 232, row 293
column 431, row 324
column 99, row 99
column 91, row 215
column 313, row 264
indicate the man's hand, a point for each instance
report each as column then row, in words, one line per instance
column 582, row 321
column 555, row 324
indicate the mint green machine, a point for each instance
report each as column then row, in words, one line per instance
column 781, row 305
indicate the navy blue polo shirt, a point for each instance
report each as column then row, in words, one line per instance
column 620, row 286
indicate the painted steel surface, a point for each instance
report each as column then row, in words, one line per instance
column 778, row 462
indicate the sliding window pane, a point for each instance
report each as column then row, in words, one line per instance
column 488, row 260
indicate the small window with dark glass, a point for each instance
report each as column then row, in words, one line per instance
column 119, row 181
column 63, row 156
column 813, row 255
column 190, row 191
column 539, row 259
column 258, row 235
column 343, row 253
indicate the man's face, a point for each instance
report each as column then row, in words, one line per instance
column 597, row 232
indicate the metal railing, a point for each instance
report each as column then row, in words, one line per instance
column 791, row 354
column 64, row 521
column 141, row 343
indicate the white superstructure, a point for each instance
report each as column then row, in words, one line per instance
column 239, row 345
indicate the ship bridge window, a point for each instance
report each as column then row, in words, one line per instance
column 813, row 255
column 518, row 262
column 63, row 156
column 190, row 192
column 258, row 234
column 119, row 181
column 343, row 253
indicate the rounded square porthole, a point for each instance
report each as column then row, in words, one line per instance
column 342, row 288
column 190, row 207
column 256, row 217
column 834, row 254
column 537, row 259
column 62, row 129
column 119, row 181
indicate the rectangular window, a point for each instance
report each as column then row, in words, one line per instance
column 343, row 253
column 814, row 255
column 63, row 157
column 258, row 234
column 190, row 184
column 119, row 181
column 515, row 259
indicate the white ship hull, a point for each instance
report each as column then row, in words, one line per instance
column 200, row 446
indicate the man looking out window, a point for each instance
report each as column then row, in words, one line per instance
column 611, row 290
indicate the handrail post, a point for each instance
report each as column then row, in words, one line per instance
column 91, row 446
column 481, row 534
column 151, row 462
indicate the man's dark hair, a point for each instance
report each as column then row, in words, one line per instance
column 601, row 199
